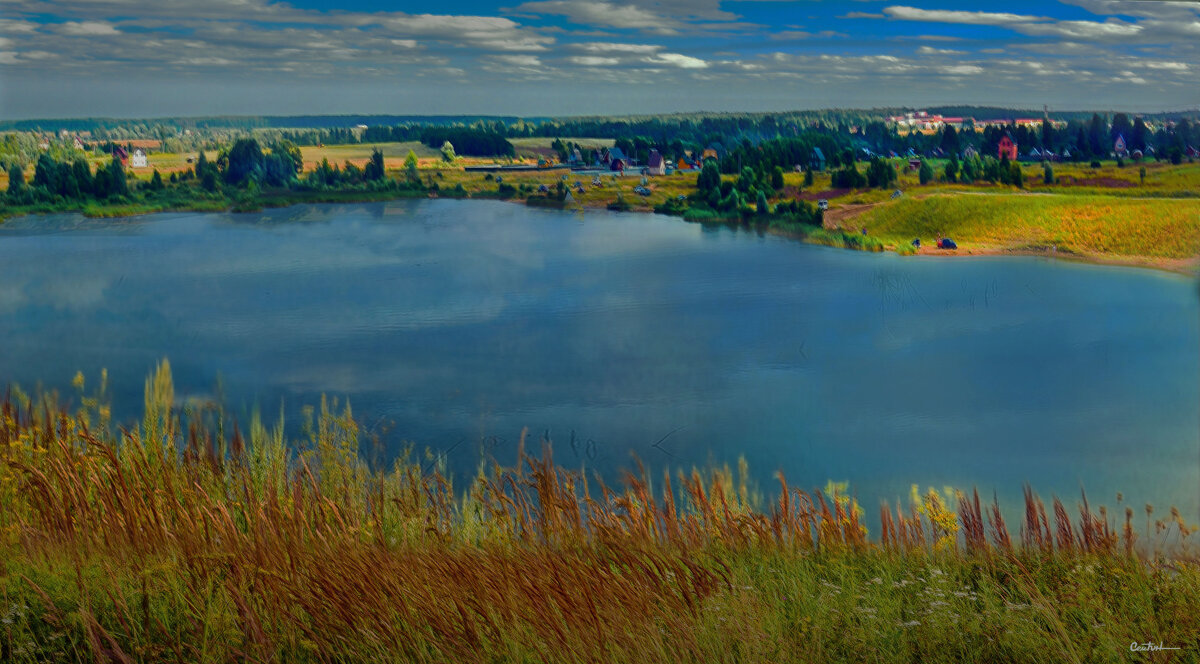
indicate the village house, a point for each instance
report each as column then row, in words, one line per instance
column 1119, row 147
column 818, row 160
column 655, row 164
column 1008, row 148
column 139, row 159
column 616, row 159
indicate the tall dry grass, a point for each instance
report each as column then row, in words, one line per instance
column 183, row 539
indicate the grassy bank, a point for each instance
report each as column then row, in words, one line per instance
column 185, row 539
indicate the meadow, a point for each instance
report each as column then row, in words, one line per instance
column 186, row 538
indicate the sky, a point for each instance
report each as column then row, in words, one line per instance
column 135, row 58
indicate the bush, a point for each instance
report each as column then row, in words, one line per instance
column 777, row 178
column 673, row 207
column 1095, row 164
column 619, row 205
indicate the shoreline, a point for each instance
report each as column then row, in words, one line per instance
column 1189, row 266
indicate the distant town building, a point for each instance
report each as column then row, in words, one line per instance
column 139, row 159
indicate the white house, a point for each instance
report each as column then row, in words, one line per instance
column 139, row 159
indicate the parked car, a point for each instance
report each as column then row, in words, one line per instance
column 822, row 204
column 946, row 243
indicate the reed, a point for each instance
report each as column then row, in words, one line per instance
column 183, row 539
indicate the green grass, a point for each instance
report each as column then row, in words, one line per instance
column 187, row 538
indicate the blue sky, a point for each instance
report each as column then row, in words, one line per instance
column 132, row 58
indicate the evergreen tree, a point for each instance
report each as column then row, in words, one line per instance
column 410, row 168
column 925, row 175
column 83, row 176
column 952, row 169
column 16, row 180
column 43, row 173
column 1047, row 134
column 709, row 177
column 117, row 185
column 1047, row 173
column 374, row 169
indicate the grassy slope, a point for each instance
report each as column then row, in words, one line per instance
column 243, row 549
column 1084, row 224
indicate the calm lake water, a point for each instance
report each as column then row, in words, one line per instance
column 455, row 324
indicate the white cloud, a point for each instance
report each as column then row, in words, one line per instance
column 677, row 60
column 957, row 16
column 604, row 14
column 1173, row 66
column 612, row 47
column 593, row 61
column 929, row 50
column 1085, row 30
column 207, row 61
column 962, row 70
column 88, row 28
column 14, row 26
column 519, row 60
column 1159, row 9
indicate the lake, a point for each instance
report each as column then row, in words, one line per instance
column 456, row 324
